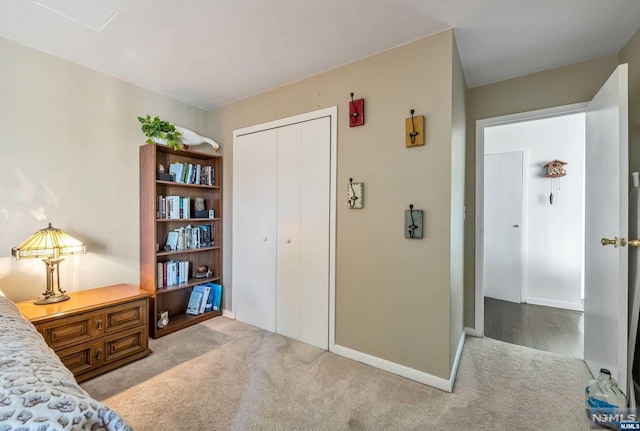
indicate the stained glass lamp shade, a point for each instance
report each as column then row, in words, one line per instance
column 50, row 244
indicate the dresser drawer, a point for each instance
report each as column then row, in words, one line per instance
column 121, row 317
column 124, row 344
column 80, row 359
column 74, row 330
column 70, row 331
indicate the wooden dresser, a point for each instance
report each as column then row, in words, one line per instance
column 96, row 330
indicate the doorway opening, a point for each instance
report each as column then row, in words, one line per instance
column 532, row 228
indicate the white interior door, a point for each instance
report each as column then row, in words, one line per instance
column 254, row 228
column 289, row 291
column 503, row 226
column 606, row 204
column 314, row 231
column 634, row 294
column 303, row 231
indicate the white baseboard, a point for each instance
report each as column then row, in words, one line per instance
column 472, row 332
column 401, row 370
column 456, row 361
column 577, row 306
column 228, row 313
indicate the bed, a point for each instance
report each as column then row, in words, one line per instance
column 37, row 392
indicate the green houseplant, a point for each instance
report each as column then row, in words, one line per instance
column 160, row 132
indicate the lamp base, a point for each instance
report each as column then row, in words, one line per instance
column 53, row 281
column 51, row 299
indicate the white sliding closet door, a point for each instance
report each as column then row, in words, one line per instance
column 314, row 231
column 289, row 272
column 254, row 228
column 303, row 232
column 281, row 228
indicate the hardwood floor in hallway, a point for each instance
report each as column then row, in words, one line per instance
column 543, row 328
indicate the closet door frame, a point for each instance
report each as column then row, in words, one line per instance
column 332, row 113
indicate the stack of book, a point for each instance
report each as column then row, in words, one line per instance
column 204, row 297
column 188, row 173
column 173, row 207
column 172, row 273
column 188, row 237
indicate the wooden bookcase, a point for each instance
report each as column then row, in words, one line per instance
column 153, row 235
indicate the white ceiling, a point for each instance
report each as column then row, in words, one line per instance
column 212, row 52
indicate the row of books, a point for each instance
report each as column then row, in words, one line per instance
column 173, row 207
column 188, row 237
column 172, row 273
column 204, row 297
column 188, row 173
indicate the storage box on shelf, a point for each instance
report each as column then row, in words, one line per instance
column 155, row 227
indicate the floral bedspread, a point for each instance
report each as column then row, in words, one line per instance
column 37, row 392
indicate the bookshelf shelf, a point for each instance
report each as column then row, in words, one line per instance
column 154, row 232
column 177, row 184
column 191, row 220
column 182, row 321
column 192, row 282
column 188, row 250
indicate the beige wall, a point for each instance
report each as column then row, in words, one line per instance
column 562, row 86
column 70, row 156
column 458, row 129
column 393, row 294
column 630, row 54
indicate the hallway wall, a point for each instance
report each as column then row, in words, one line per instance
column 553, row 234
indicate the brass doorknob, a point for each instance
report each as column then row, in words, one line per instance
column 607, row 241
column 634, row 242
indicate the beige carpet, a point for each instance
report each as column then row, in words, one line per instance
column 225, row 375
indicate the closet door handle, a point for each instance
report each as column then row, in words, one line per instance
column 288, row 241
column 606, row 241
column 265, row 239
column 634, row 243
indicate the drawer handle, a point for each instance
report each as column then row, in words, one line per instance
column 99, row 324
column 98, row 354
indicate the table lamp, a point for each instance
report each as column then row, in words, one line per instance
column 50, row 243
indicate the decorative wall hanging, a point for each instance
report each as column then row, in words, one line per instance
column 355, row 193
column 415, row 130
column 554, row 170
column 413, row 223
column 356, row 112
